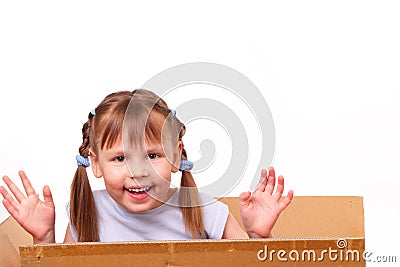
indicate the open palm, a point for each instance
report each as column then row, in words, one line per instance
column 35, row 216
column 261, row 210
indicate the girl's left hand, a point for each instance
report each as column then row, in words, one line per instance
column 261, row 210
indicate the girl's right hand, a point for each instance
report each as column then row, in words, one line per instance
column 35, row 216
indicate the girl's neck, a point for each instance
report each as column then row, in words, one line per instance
column 168, row 196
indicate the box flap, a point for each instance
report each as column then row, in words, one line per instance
column 254, row 252
column 11, row 236
column 315, row 217
column 16, row 234
column 8, row 254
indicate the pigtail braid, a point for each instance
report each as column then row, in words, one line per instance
column 190, row 202
column 83, row 213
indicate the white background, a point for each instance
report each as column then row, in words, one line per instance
column 329, row 72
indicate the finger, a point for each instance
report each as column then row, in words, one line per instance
column 26, row 183
column 280, row 187
column 263, row 181
column 271, row 181
column 10, row 208
column 48, row 197
column 3, row 191
column 287, row 200
column 9, row 199
column 14, row 189
column 244, row 199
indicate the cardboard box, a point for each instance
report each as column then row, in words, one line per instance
column 312, row 231
column 11, row 236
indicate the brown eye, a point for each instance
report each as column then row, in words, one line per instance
column 152, row 156
column 120, row 159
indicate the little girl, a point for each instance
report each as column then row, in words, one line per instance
column 134, row 141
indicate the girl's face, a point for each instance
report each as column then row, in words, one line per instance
column 138, row 179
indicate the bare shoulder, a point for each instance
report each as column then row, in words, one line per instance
column 233, row 230
column 68, row 236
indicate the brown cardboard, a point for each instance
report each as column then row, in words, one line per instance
column 184, row 253
column 11, row 236
column 315, row 217
column 309, row 227
column 9, row 256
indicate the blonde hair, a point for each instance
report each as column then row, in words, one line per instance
column 104, row 129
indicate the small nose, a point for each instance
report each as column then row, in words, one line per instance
column 138, row 169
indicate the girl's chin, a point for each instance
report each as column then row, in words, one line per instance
column 143, row 207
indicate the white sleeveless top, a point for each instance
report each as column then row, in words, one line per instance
column 162, row 223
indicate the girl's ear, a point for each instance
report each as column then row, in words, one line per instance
column 95, row 164
column 177, row 157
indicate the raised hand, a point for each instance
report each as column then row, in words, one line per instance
column 261, row 210
column 35, row 216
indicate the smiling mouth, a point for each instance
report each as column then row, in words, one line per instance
column 138, row 190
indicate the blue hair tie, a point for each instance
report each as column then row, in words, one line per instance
column 173, row 112
column 81, row 161
column 93, row 111
column 186, row 165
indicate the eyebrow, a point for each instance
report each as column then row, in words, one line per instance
column 154, row 146
column 114, row 152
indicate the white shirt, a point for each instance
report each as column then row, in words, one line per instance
column 162, row 223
